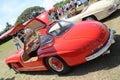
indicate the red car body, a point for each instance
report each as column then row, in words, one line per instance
column 72, row 45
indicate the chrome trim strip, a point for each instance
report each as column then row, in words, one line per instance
column 105, row 48
column 35, row 67
column 27, row 68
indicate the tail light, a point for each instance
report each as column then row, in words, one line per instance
column 111, row 8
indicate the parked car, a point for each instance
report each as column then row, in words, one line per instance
column 96, row 11
column 62, row 44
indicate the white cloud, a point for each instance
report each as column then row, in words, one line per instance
column 2, row 27
column 12, row 21
column 8, row 7
column 46, row 5
column 49, row 4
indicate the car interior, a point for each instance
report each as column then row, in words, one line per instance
column 31, row 54
column 33, row 44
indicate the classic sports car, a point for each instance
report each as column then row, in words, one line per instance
column 97, row 11
column 62, row 44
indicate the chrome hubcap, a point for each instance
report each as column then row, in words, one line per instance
column 55, row 64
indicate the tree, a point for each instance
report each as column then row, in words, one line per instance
column 29, row 13
column 60, row 4
column 8, row 26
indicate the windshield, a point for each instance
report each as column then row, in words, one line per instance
column 60, row 28
column 44, row 39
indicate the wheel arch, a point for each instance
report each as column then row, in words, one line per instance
column 10, row 62
column 93, row 16
column 53, row 56
column 60, row 54
column 9, row 65
column 65, row 67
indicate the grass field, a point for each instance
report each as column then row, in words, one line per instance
column 106, row 67
column 7, row 48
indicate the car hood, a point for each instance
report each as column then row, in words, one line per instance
column 88, row 29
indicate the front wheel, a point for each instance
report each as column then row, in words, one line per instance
column 57, row 65
column 12, row 66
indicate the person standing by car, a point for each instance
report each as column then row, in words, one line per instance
column 16, row 42
column 79, row 3
column 85, row 2
column 21, row 36
column 75, row 3
column 56, row 15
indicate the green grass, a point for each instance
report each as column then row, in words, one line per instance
column 7, row 49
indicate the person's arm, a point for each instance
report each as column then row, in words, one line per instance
column 25, row 43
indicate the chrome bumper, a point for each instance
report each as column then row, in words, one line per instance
column 105, row 48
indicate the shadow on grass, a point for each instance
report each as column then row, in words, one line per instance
column 38, row 73
column 105, row 62
column 112, row 16
column 13, row 78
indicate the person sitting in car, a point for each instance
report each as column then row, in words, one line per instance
column 29, row 40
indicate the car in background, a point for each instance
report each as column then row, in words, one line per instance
column 96, row 11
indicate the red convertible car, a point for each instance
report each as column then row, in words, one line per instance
column 63, row 44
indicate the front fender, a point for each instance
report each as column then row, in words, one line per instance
column 13, row 59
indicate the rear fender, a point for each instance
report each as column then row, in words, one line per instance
column 47, row 54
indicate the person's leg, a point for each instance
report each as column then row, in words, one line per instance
column 16, row 46
column 19, row 45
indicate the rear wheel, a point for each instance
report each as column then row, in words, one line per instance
column 57, row 65
column 90, row 18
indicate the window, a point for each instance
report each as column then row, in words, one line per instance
column 44, row 39
column 60, row 28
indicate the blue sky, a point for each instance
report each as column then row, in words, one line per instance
column 11, row 9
